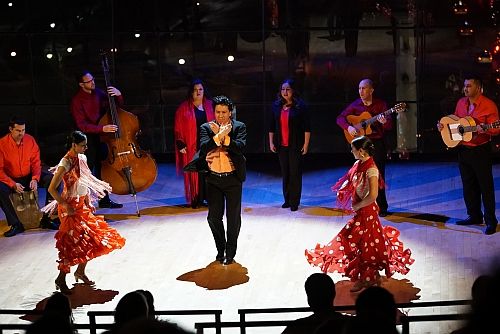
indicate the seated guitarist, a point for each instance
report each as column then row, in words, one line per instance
column 373, row 106
column 474, row 156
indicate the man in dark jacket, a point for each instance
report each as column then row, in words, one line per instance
column 221, row 156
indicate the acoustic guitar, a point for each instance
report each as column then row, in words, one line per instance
column 363, row 121
column 456, row 129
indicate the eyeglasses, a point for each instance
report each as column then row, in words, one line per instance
column 88, row 81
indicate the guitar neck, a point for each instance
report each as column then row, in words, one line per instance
column 374, row 118
column 475, row 128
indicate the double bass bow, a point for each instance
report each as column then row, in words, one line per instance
column 127, row 168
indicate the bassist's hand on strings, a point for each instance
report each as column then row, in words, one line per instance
column 110, row 128
column 113, row 91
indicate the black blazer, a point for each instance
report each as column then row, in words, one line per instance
column 235, row 149
column 298, row 123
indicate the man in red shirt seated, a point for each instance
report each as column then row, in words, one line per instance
column 20, row 170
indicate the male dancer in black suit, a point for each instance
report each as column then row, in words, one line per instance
column 221, row 155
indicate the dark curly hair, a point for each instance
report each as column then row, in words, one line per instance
column 223, row 100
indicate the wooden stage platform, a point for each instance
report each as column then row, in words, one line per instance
column 170, row 250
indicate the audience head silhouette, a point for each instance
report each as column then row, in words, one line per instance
column 320, row 290
column 485, row 304
column 150, row 300
column 58, row 303
column 132, row 306
column 376, row 312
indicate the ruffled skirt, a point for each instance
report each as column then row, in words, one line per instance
column 363, row 248
column 83, row 236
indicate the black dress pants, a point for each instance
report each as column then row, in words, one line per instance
column 380, row 157
column 291, row 171
column 224, row 192
column 96, row 152
column 475, row 166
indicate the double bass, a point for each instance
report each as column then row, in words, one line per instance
column 127, row 168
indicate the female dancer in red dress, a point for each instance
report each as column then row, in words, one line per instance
column 82, row 236
column 193, row 112
column 363, row 247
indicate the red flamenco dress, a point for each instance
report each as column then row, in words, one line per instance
column 82, row 236
column 363, row 247
column 186, row 132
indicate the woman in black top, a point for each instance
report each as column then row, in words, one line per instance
column 289, row 134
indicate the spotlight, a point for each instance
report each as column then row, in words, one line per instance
column 137, row 35
column 114, row 50
column 181, row 61
column 197, row 4
column 13, row 54
column 10, row 4
column 69, row 49
column 230, row 58
column 49, row 55
column 52, row 25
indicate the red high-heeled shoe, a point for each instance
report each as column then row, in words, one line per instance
column 83, row 278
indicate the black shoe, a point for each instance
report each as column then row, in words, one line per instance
column 228, row 261
column 469, row 221
column 108, row 203
column 14, row 229
column 285, row 205
column 220, row 257
column 294, row 208
column 490, row 229
column 383, row 213
column 45, row 222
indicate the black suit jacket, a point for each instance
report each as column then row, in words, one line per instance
column 298, row 123
column 235, row 149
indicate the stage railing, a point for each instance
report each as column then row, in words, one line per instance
column 92, row 326
column 243, row 324
column 94, row 314
column 407, row 319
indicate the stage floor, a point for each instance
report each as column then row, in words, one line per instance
column 170, row 250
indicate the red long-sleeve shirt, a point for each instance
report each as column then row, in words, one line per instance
column 485, row 111
column 19, row 160
column 357, row 108
column 87, row 109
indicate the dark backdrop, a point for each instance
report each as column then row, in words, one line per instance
column 328, row 46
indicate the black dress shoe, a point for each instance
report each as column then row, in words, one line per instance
column 220, row 257
column 285, row 205
column 14, row 229
column 228, row 261
column 490, row 229
column 294, row 208
column 110, row 204
column 469, row 221
column 46, row 223
column 383, row 213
